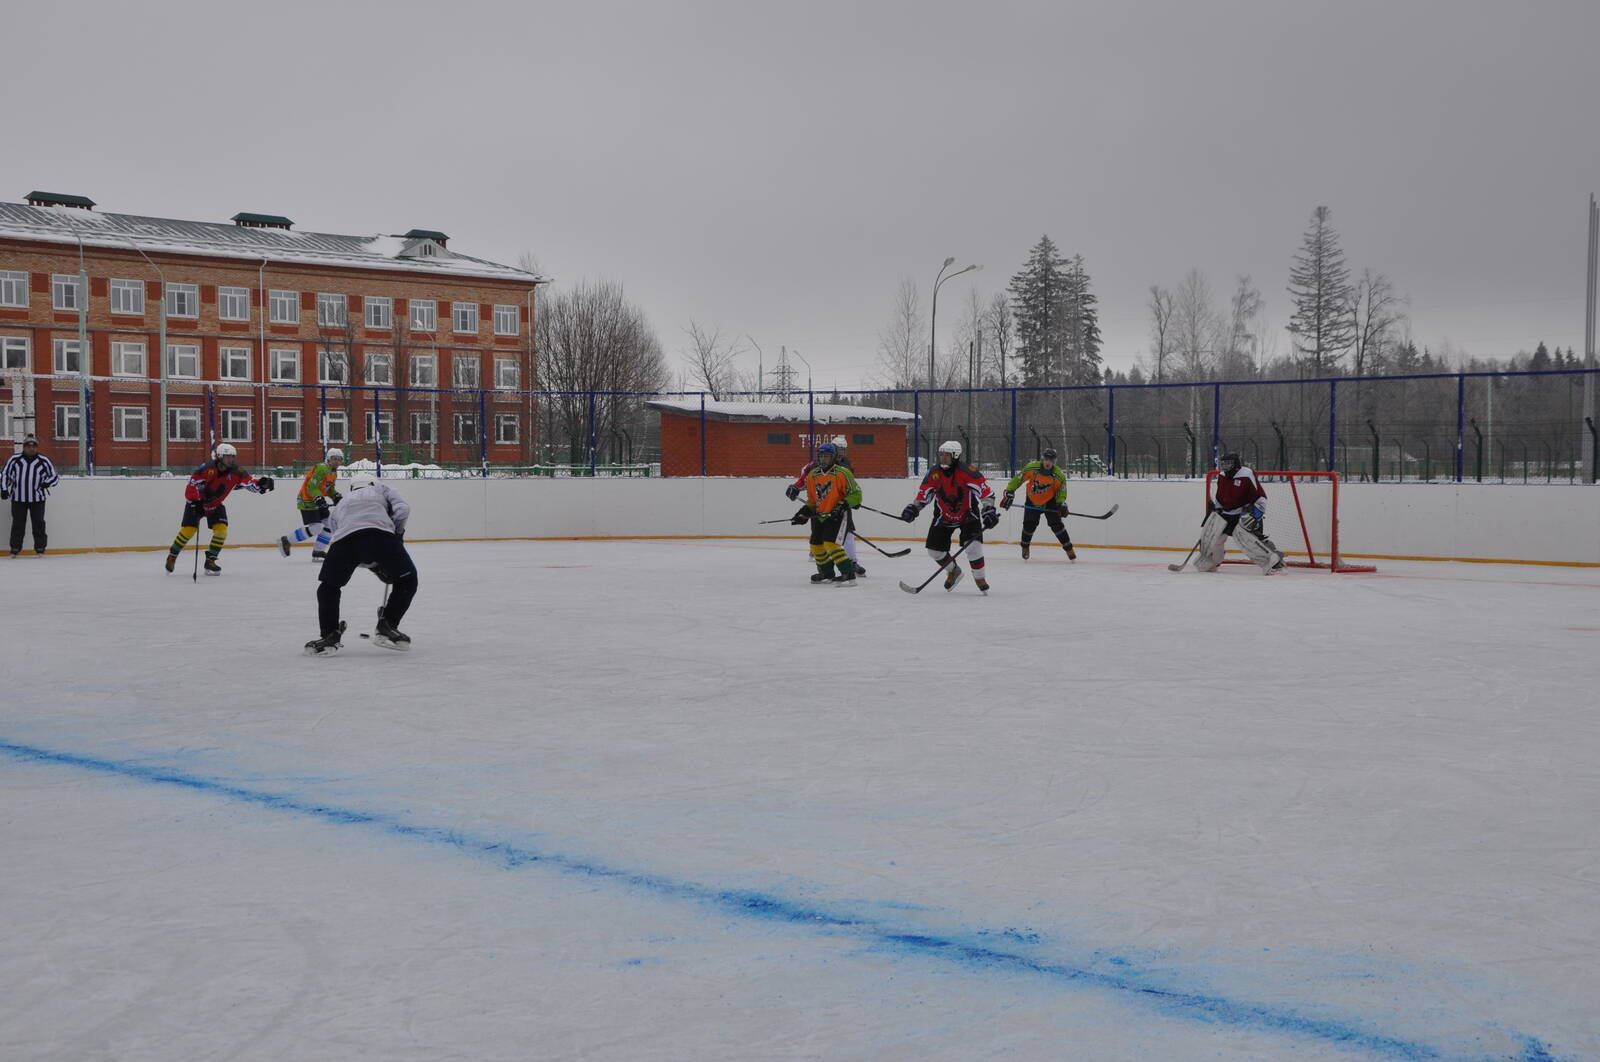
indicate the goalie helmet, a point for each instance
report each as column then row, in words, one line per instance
column 1228, row 464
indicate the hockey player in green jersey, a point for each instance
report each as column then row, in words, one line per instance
column 1046, row 496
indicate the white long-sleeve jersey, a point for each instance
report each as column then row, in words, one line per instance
column 376, row 506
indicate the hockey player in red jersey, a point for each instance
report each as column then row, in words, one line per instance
column 962, row 501
column 207, row 489
column 1239, row 509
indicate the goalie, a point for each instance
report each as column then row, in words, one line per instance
column 1239, row 509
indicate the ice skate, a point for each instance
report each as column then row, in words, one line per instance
column 328, row 644
column 1072, row 554
column 817, row 578
column 318, row 556
column 1025, row 551
column 283, row 545
column 212, row 567
column 172, row 561
column 981, row 583
column 389, row 636
column 953, row 576
column 860, row 571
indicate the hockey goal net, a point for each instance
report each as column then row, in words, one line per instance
column 1302, row 519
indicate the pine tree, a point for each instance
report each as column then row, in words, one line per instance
column 1037, row 292
column 1080, row 325
column 1319, row 283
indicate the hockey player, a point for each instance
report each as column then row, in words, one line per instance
column 1240, row 510
column 843, row 460
column 1046, row 496
column 366, row 530
column 831, row 492
column 319, row 492
column 207, row 489
column 962, row 501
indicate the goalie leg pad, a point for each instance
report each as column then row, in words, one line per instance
column 1213, row 543
column 1256, row 548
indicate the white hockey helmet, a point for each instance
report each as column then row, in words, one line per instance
column 952, row 448
column 335, row 454
column 225, row 450
column 840, row 441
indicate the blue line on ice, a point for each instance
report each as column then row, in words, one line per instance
column 1129, row 983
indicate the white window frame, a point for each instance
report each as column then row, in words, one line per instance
column 121, row 416
column 224, row 354
column 65, row 292
column 459, row 371
column 428, row 420
column 457, row 421
column 504, row 367
column 228, row 421
column 326, row 360
column 419, row 362
column 503, row 315
column 14, row 289
column 282, row 417
column 60, row 350
column 14, row 352
column 384, row 422
column 464, row 317
column 500, row 422
column 374, row 360
column 233, row 304
column 68, row 423
column 183, row 300
column 379, row 312
column 127, row 297
column 424, row 315
column 124, row 349
column 179, row 419
column 336, row 417
column 283, row 307
column 333, row 310
column 184, row 350
column 278, row 360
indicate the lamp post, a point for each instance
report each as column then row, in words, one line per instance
column 933, row 323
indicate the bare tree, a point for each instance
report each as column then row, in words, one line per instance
column 903, row 344
column 1000, row 330
column 1195, row 327
column 1161, row 307
column 1238, row 351
column 711, row 359
column 1377, row 314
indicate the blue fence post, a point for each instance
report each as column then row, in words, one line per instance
column 483, row 434
column 1111, row 431
column 916, row 430
column 1013, row 431
column 593, row 442
column 811, row 421
column 1216, row 423
column 1333, row 424
column 1461, row 421
column 702, row 433
column 377, row 430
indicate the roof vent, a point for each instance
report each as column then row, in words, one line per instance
column 261, row 221
column 48, row 199
column 428, row 234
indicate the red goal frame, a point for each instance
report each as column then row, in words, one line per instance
column 1332, row 560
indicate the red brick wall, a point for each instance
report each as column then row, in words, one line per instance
column 741, row 448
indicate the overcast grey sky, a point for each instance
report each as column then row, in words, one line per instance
column 777, row 168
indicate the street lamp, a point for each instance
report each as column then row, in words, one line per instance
column 933, row 324
column 802, row 357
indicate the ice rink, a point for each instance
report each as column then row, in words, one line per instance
column 665, row 800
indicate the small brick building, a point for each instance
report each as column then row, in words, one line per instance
column 775, row 438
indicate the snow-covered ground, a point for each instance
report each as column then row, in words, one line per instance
column 667, row 800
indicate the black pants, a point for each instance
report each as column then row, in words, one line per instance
column 939, row 535
column 374, row 548
column 830, row 528
column 1030, row 523
column 22, row 512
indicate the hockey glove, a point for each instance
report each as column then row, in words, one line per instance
column 909, row 513
column 991, row 516
column 1062, row 509
column 264, row 484
column 1005, row 500
column 5, row 495
column 791, row 492
column 802, row 516
column 335, row 497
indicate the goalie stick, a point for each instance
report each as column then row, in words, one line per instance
column 908, row 588
column 1185, row 563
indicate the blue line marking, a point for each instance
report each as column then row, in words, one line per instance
column 1192, row 1006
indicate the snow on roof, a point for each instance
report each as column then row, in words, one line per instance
column 825, row 413
column 224, row 240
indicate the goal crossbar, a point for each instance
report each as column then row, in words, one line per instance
column 1331, row 560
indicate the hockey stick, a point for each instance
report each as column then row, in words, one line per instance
column 1108, row 514
column 383, row 607
column 196, row 575
column 908, row 588
column 880, row 512
column 880, row 549
column 785, row 520
column 1185, row 564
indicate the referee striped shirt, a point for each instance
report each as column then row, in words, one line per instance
column 28, row 480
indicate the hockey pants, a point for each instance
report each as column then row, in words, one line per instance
column 374, row 548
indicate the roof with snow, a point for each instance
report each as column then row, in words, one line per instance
column 57, row 224
column 802, row 412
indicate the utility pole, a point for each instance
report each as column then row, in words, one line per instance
column 1584, row 444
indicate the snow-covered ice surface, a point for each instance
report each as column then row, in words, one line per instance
column 666, row 800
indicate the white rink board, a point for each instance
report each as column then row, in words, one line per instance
column 667, row 800
column 1549, row 523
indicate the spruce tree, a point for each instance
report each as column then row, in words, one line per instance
column 1037, row 291
column 1319, row 283
column 1080, row 324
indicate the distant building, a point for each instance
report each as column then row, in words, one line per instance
column 276, row 339
column 775, row 438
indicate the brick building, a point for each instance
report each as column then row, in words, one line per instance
column 776, row 438
column 277, row 340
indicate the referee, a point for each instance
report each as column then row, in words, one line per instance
column 25, row 480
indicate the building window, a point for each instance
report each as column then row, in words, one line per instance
column 507, row 428
column 183, row 424
column 377, row 422
column 778, row 438
column 464, row 317
column 127, row 359
column 378, row 368
column 285, row 365
column 233, row 304
column 285, row 425
column 69, row 423
column 68, row 357
column 283, row 307
column 13, row 352
column 13, row 289
column 127, row 297
column 183, row 300
column 183, row 361
column 506, row 320
column 336, row 427
column 422, row 425
column 465, row 367
column 424, row 315
column 332, row 311
column 424, row 370
column 331, row 367
column 861, row 440
column 380, row 311
column 466, row 427
column 507, row 374
column 235, row 425
column 234, row 363
column 65, row 291
column 130, row 423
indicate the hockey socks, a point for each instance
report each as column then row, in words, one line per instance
column 185, row 533
column 219, row 537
